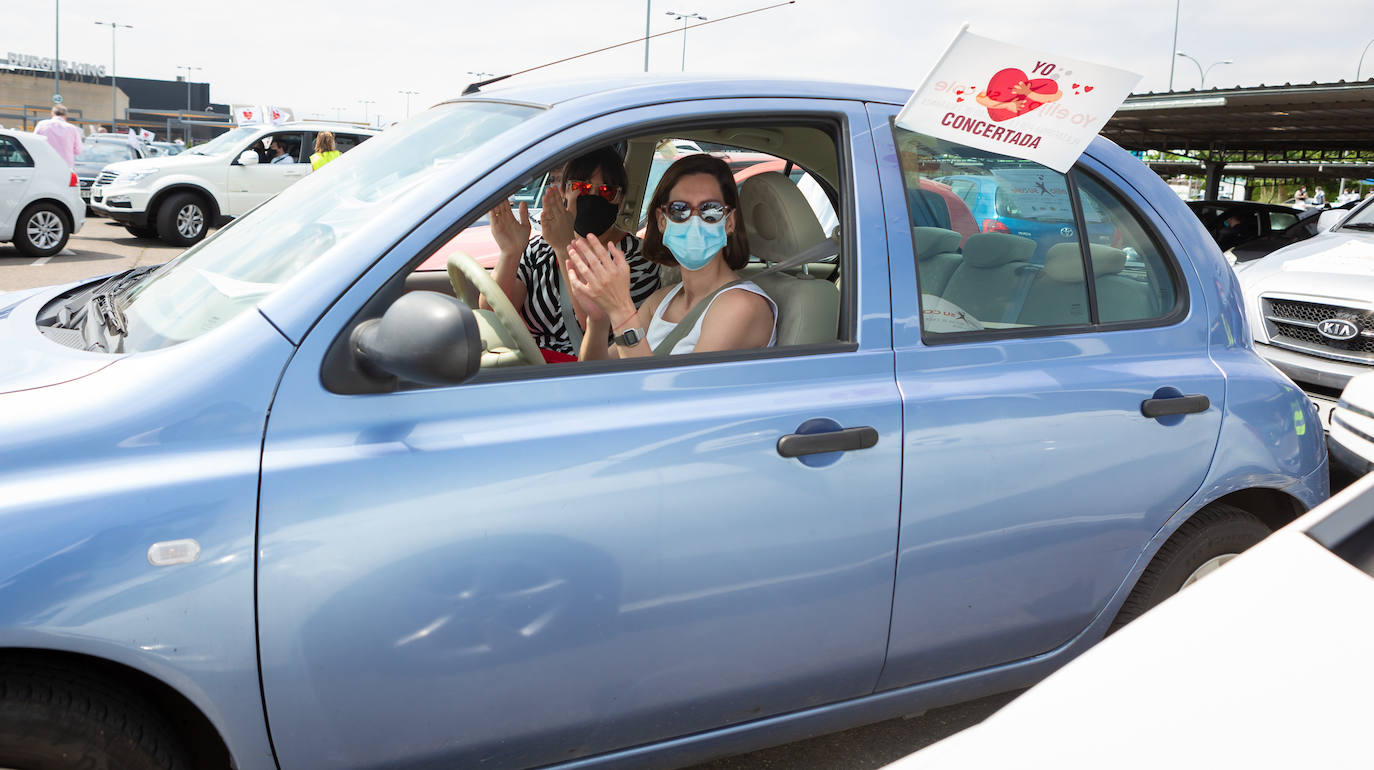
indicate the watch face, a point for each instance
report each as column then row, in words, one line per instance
column 629, row 338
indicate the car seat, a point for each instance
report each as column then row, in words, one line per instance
column 1059, row 295
column 937, row 257
column 992, row 276
column 780, row 224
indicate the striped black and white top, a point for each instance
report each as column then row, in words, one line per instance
column 538, row 270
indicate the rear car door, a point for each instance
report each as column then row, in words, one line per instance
column 1031, row 479
column 542, row 565
column 16, row 176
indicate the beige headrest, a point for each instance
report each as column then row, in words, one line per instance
column 1064, row 262
column 935, row 240
column 994, row 249
column 779, row 221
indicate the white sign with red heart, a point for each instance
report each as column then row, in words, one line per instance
column 1016, row 101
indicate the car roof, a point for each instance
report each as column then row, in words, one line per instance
column 679, row 87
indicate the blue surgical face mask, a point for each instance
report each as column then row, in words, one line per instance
column 694, row 242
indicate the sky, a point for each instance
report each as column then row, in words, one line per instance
column 345, row 58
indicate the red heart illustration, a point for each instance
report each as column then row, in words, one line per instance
column 960, row 99
column 1000, row 90
column 960, row 91
column 1075, row 85
column 1086, row 89
column 247, row 114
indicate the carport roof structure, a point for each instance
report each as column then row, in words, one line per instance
column 1313, row 130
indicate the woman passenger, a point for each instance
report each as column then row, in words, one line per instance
column 694, row 223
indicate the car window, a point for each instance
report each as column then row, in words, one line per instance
column 346, row 142
column 105, row 152
column 1133, row 280
column 1024, row 266
column 13, row 154
column 1281, row 220
column 292, row 141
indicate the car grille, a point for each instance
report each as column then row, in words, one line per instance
column 106, row 177
column 86, row 183
column 1293, row 324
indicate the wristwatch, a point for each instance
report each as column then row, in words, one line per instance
column 629, row 338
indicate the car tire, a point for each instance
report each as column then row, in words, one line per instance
column 42, row 230
column 182, row 219
column 1213, row 536
column 57, row 719
column 141, row 231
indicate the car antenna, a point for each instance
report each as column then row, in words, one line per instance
column 474, row 87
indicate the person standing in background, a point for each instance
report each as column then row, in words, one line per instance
column 63, row 136
column 324, row 150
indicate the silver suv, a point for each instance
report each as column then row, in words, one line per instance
column 1311, row 305
column 178, row 198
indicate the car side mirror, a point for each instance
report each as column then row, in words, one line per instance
column 424, row 337
column 1330, row 218
column 248, row 158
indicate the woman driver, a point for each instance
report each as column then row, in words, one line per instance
column 694, row 223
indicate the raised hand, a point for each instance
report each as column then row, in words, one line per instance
column 511, row 234
column 601, row 277
column 583, row 306
column 556, row 219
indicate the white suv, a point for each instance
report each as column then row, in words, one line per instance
column 40, row 198
column 179, row 197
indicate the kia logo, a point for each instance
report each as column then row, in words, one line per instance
column 1337, row 329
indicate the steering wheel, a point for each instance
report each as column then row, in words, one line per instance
column 470, row 279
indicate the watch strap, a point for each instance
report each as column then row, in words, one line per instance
column 629, row 338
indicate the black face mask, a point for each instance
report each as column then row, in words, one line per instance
column 595, row 215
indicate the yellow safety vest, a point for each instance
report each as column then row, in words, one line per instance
column 321, row 158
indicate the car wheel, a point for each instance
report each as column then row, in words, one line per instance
column 41, row 230
column 141, row 231
column 1213, row 536
column 182, row 219
column 57, row 719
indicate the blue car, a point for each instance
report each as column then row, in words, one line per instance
column 288, row 502
column 1022, row 199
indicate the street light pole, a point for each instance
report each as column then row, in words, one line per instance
column 1202, row 74
column 364, row 103
column 683, row 17
column 1174, row 47
column 57, row 48
column 188, row 69
column 114, row 90
column 408, row 95
column 1361, row 64
column 648, row 10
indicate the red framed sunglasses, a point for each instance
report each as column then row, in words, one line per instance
column 581, row 187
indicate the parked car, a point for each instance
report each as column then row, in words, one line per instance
column 1311, row 305
column 162, row 149
column 179, row 198
column 1234, row 223
column 99, row 151
column 1018, row 199
column 1282, row 629
column 40, row 197
column 266, row 484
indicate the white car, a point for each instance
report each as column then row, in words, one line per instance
column 1311, row 305
column 1261, row 664
column 40, row 197
column 178, row 198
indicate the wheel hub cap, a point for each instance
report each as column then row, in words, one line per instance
column 45, row 230
column 189, row 221
column 1207, row 567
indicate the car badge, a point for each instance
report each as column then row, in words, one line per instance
column 1338, row 329
column 1067, row 232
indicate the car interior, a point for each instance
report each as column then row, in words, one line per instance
column 772, row 165
column 999, row 279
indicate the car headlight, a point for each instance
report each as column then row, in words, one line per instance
column 141, row 174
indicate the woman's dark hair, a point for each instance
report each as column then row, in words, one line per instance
column 736, row 249
column 611, row 164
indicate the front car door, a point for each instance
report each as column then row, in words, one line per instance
column 1032, row 481
column 550, row 563
column 250, row 185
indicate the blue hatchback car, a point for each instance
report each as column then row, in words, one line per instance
column 287, row 501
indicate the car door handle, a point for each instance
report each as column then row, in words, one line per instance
column 17, row 178
column 1164, row 407
column 844, row 440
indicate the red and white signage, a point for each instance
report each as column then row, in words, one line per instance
column 1016, row 101
column 248, row 114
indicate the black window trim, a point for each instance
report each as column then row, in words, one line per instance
column 339, row 372
column 23, row 152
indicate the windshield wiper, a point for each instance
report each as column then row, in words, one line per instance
column 1358, row 226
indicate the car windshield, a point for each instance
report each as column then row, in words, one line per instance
column 239, row 266
column 104, row 152
column 225, row 142
column 1362, row 218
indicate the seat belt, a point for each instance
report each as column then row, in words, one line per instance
column 826, row 248
column 565, row 307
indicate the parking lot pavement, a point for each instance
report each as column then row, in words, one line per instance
column 102, row 246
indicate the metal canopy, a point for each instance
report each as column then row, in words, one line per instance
column 1315, row 130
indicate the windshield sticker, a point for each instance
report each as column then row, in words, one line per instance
column 1016, row 101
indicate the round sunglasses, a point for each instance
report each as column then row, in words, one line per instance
column 710, row 212
column 582, row 187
